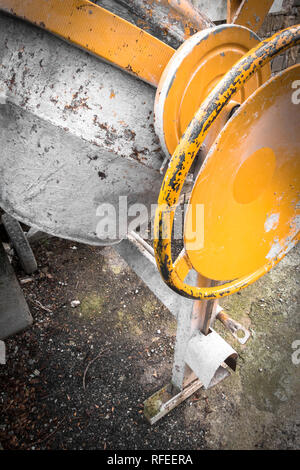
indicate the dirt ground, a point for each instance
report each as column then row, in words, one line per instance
column 78, row 377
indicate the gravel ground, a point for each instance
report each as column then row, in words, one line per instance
column 78, row 377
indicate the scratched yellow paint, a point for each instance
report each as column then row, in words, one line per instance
column 194, row 71
column 249, row 186
column 98, row 31
column 250, row 13
column 185, row 154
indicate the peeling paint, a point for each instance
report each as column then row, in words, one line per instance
column 271, row 222
column 186, row 152
column 274, row 251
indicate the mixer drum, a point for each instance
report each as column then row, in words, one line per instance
column 75, row 133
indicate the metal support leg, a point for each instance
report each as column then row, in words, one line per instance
column 183, row 334
column 194, row 335
column 199, row 317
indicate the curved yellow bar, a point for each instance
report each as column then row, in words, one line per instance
column 185, row 154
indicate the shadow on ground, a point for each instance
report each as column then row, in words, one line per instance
column 78, row 377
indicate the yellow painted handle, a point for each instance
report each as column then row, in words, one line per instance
column 99, row 32
column 185, row 154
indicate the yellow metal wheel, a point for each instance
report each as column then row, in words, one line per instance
column 193, row 71
column 287, row 229
column 249, row 186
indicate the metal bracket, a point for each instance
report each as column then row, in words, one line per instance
column 238, row 331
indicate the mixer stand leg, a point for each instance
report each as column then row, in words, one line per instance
column 192, row 318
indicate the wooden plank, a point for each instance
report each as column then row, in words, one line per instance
column 166, row 399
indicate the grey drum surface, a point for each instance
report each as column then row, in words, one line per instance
column 75, row 132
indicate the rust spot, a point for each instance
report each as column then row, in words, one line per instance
column 77, row 102
column 129, row 134
column 82, row 7
column 99, row 124
column 130, row 70
column 10, row 83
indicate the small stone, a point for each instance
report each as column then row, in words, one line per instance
column 25, row 280
column 75, row 303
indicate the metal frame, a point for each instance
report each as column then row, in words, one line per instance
column 201, row 356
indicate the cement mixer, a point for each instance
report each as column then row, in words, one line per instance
column 156, row 101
